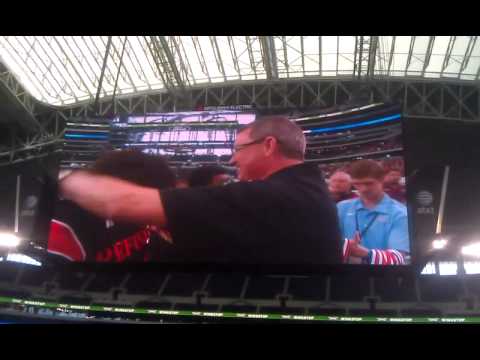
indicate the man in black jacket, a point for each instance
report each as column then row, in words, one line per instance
column 279, row 213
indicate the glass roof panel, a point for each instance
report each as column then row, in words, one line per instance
column 64, row 70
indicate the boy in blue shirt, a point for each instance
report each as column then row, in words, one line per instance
column 374, row 226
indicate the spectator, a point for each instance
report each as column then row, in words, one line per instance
column 374, row 226
column 209, row 175
column 181, row 183
column 392, row 186
column 280, row 212
column 340, row 186
column 182, row 178
column 81, row 236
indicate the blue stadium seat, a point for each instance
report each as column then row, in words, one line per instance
column 349, row 288
column 225, row 285
column 264, row 287
column 394, row 289
column 440, row 288
column 311, row 288
column 181, row 284
column 144, row 283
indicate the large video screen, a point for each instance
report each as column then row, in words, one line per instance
column 347, row 207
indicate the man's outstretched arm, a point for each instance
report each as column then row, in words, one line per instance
column 114, row 199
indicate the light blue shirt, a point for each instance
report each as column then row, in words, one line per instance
column 389, row 230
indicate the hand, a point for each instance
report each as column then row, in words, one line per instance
column 356, row 249
column 64, row 173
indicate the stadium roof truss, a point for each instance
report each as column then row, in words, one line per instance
column 54, row 78
column 68, row 70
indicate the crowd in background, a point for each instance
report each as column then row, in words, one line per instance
column 340, row 184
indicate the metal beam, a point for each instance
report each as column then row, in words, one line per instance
column 22, row 100
column 468, row 54
column 30, row 72
column 360, row 57
column 302, row 54
column 448, row 54
column 247, row 92
column 119, row 65
column 218, row 56
column 119, row 68
column 44, row 80
column 410, row 54
column 54, row 63
column 428, row 54
column 338, row 54
column 233, row 52
column 269, row 57
column 67, row 57
column 146, row 51
column 390, row 60
column 102, row 73
column 96, row 56
column 372, row 56
column 250, row 55
column 157, row 54
column 320, row 56
column 171, row 62
column 201, row 58
column 355, row 56
column 82, row 61
column 137, row 66
column 182, row 61
column 284, row 43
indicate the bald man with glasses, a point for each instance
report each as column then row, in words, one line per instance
column 280, row 212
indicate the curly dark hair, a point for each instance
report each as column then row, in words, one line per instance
column 203, row 175
column 137, row 167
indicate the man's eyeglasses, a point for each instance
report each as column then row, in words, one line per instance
column 243, row 146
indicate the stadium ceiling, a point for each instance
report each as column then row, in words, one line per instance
column 69, row 70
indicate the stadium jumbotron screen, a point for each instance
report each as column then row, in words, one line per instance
column 359, row 152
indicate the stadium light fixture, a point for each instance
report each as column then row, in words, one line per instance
column 9, row 240
column 23, row 259
column 471, row 250
column 439, row 243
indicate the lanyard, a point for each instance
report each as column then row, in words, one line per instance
column 357, row 227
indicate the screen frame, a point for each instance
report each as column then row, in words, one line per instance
column 280, row 269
